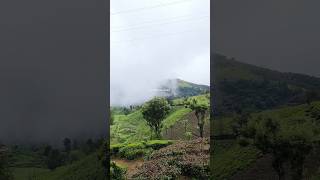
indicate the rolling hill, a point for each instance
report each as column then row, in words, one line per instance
column 255, row 88
column 233, row 161
column 176, row 88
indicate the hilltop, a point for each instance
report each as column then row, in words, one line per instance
column 176, row 88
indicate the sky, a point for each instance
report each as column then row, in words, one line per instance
column 280, row 35
column 156, row 40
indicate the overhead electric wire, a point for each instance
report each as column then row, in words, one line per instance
column 148, row 7
column 164, row 23
column 156, row 36
column 152, row 21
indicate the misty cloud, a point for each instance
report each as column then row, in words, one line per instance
column 155, row 43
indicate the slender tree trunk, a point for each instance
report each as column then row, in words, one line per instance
column 201, row 129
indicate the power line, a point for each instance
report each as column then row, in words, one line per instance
column 156, row 36
column 149, row 7
column 175, row 21
column 152, row 21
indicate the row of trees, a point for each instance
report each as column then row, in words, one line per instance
column 71, row 152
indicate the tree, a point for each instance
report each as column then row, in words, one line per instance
column 154, row 112
column 311, row 96
column 89, row 146
column 47, row 150
column 200, row 112
column 5, row 173
column 67, row 145
column 111, row 118
column 55, row 159
column 240, row 123
column 286, row 145
column 75, row 144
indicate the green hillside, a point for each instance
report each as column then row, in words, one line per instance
column 132, row 127
column 231, row 159
column 245, row 87
column 133, row 144
column 87, row 168
column 176, row 88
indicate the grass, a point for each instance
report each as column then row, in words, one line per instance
column 201, row 99
column 133, row 127
column 229, row 157
column 87, row 168
column 129, row 128
column 28, row 165
column 24, row 173
column 174, row 117
column 229, row 160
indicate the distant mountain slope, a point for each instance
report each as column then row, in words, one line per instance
column 244, row 86
column 179, row 88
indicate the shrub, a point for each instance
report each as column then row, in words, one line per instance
column 114, row 149
column 188, row 135
column 131, row 154
column 158, row 144
column 116, row 172
column 243, row 142
column 187, row 158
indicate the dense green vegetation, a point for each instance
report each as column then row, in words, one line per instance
column 139, row 132
column 289, row 132
column 245, row 87
column 267, row 123
column 75, row 160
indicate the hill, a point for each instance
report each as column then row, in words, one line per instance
column 132, row 127
column 133, row 150
column 176, row 88
column 255, row 88
column 233, row 161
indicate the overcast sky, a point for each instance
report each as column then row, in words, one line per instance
column 281, row 35
column 156, row 40
column 52, row 70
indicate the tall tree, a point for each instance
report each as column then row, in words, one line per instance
column 200, row 112
column 154, row 112
column 67, row 145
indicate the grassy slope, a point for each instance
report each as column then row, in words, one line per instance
column 132, row 127
column 229, row 157
column 87, row 168
column 30, row 165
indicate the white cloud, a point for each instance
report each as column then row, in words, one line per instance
column 153, row 44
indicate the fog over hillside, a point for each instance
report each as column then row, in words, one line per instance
column 152, row 41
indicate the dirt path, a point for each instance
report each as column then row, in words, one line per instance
column 131, row 166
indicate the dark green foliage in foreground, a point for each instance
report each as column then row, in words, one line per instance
column 154, row 112
column 55, row 159
column 67, row 145
column 289, row 144
column 5, row 173
column 297, row 129
column 117, row 173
